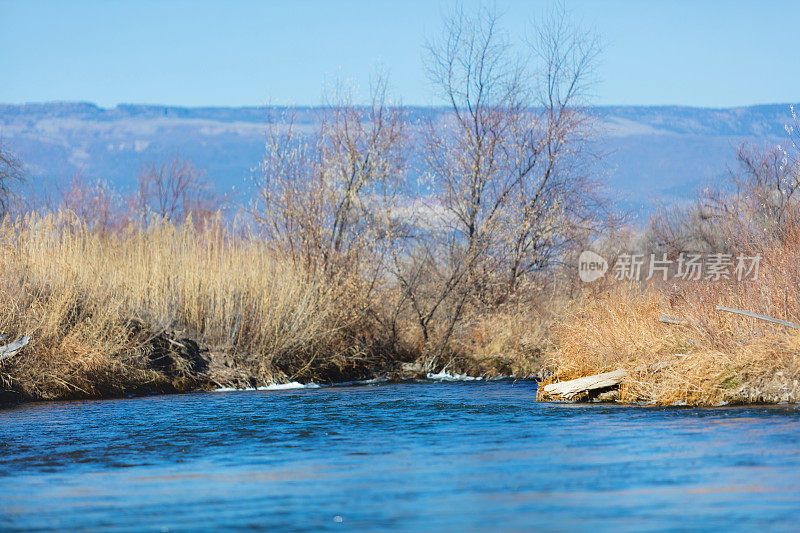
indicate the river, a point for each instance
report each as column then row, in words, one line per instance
column 480, row 455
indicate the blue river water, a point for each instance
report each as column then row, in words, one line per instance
column 466, row 456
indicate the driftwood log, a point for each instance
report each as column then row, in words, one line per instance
column 11, row 349
column 568, row 389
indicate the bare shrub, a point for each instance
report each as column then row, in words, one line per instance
column 327, row 200
column 757, row 205
column 95, row 203
column 174, row 189
column 325, row 197
column 722, row 357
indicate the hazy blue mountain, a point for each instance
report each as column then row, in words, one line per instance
column 655, row 154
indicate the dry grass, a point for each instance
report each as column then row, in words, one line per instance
column 510, row 341
column 715, row 357
column 723, row 357
column 93, row 306
column 104, row 310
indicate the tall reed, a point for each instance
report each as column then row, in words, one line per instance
column 91, row 302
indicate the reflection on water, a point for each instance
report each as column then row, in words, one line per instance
column 443, row 456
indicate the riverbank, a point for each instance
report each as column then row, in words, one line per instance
column 674, row 346
column 162, row 308
column 171, row 308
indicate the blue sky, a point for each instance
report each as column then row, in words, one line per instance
column 702, row 53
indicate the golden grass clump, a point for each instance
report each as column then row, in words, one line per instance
column 714, row 357
column 94, row 304
column 510, row 341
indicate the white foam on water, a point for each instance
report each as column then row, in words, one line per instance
column 447, row 376
column 290, row 385
column 273, row 386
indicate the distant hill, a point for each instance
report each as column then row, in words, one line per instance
column 655, row 154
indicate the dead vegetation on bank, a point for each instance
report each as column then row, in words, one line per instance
column 707, row 356
column 163, row 308
column 710, row 359
column 169, row 308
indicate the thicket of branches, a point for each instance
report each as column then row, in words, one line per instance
column 457, row 213
column 170, row 189
column 425, row 221
column 756, row 206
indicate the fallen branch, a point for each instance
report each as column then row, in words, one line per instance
column 570, row 388
column 11, row 349
column 759, row 317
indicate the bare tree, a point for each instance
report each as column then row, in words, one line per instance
column 175, row 189
column 507, row 185
column 509, row 167
column 10, row 172
column 758, row 203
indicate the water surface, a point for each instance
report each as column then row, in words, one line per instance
column 413, row 456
